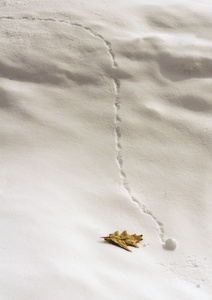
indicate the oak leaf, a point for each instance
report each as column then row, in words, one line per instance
column 123, row 240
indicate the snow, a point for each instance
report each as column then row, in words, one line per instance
column 106, row 125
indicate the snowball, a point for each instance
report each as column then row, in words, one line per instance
column 170, row 244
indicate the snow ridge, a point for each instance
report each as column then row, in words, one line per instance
column 117, row 107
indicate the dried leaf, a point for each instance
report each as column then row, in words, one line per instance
column 123, row 240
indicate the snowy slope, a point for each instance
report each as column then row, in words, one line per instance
column 106, row 124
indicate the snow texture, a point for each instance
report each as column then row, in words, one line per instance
column 106, row 125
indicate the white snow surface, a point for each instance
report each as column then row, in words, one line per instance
column 106, row 125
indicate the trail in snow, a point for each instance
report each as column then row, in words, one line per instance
column 118, row 121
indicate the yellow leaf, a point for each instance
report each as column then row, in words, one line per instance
column 123, row 240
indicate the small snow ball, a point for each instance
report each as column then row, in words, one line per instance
column 170, row 244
